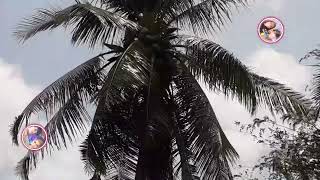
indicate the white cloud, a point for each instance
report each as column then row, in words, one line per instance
column 281, row 67
column 14, row 96
column 62, row 165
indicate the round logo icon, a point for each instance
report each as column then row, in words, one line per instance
column 34, row 137
column 270, row 30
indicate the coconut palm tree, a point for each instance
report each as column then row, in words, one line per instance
column 151, row 118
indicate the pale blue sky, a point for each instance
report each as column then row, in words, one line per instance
column 46, row 57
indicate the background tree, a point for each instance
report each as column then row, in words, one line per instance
column 152, row 120
column 294, row 153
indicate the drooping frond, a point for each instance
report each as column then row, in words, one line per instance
column 89, row 23
column 72, row 116
column 25, row 165
column 127, row 75
column 204, row 137
column 107, row 156
column 219, row 70
column 110, row 149
column 69, row 120
column 184, row 164
column 79, row 83
column 279, row 98
column 205, row 15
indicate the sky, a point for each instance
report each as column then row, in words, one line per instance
column 27, row 68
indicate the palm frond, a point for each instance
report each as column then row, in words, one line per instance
column 219, row 69
column 209, row 147
column 279, row 98
column 70, row 120
column 188, row 169
column 26, row 164
column 128, row 75
column 89, row 23
column 111, row 137
column 80, row 82
column 110, row 150
column 205, row 15
column 66, row 123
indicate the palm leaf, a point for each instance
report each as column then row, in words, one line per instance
column 66, row 123
column 80, row 82
column 108, row 144
column 205, row 15
column 219, row 70
column 70, row 118
column 73, row 115
column 279, row 98
column 25, row 165
column 128, row 75
column 89, row 23
column 209, row 147
column 188, row 169
column 111, row 147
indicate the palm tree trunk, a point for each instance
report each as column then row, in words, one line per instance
column 155, row 151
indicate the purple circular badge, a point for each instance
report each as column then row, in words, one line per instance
column 270, row 30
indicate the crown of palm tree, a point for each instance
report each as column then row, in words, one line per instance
column 152, row 120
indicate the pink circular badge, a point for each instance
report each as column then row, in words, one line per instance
column 34, row 137
column 270, row 30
